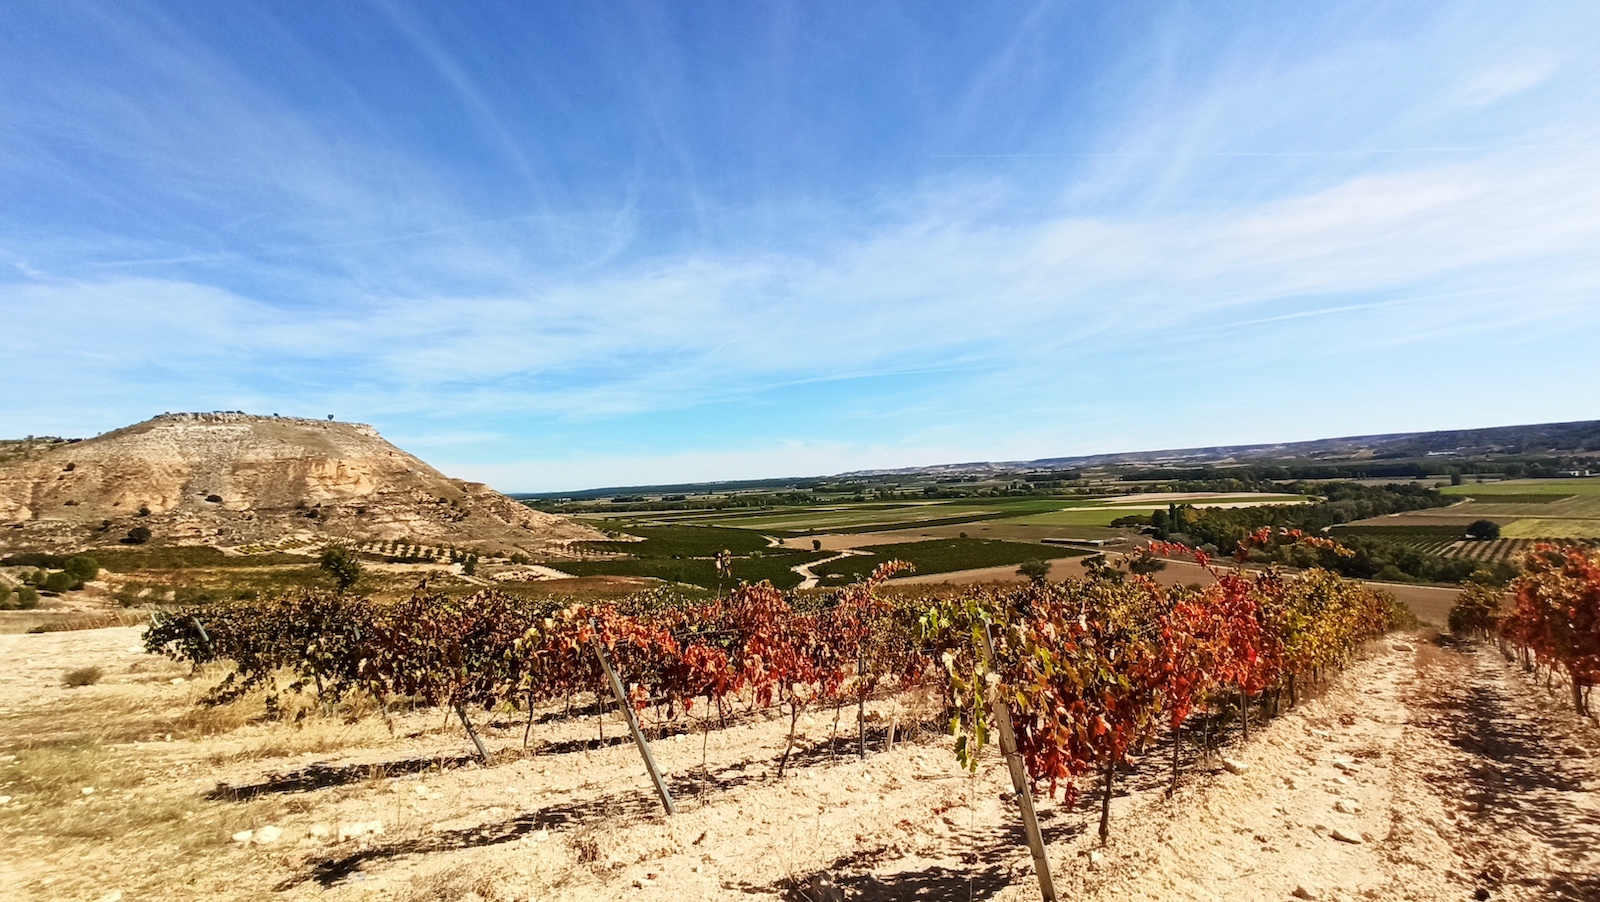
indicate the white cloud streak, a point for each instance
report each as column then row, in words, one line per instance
column 923, row 294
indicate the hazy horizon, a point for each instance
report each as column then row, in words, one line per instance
column 553, row 248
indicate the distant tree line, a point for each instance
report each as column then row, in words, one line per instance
column 1261, row 476
column 53, row 574
column 1220, row 530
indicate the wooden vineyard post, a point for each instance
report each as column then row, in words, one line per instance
column 861, row 704
column 483, row 753
column 633, row 724
column 205, row 640
column 1019, row 782
column 204, row 636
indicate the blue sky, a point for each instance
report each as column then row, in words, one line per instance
column 561, row 245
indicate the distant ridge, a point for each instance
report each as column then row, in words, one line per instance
column 1578, row 436
column 231, row 479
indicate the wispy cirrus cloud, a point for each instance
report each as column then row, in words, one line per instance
column 687, row 332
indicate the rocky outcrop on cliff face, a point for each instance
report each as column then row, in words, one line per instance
column 232, row 479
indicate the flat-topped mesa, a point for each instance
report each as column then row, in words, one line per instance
column 226, row 478
column 224, row 417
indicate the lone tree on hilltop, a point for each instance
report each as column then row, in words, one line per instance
column 1484, row 530
column 341, row 564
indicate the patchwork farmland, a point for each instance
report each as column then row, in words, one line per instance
column 1524, row 509
column 837, row 541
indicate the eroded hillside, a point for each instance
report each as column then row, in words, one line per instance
column 233, row 479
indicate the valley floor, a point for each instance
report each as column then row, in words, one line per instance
column 1455, row 773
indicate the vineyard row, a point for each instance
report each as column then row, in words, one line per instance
column 1552, row 619
column 1089, row 670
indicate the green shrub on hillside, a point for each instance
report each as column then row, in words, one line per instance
column 81, row 568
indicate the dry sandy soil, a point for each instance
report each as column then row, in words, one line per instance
column 1453, row 770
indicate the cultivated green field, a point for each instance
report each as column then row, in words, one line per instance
column 1085, row 516
column 848, row 518
column 1536, row 508
column 952, row 535
column 685, row 554
column 856, row 518
column 1524, row 508
column 1553, row 528
column 941, row 556
column 701, row 571
column 1589, row 486
column 675, row 541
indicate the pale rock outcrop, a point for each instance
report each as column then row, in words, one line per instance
column 231, row 479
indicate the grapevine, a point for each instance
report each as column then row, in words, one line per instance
column 1092, row 670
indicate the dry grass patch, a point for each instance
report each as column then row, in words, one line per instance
column 454, row 884
column 82, row 676
column 92, row 621
column 58, row 773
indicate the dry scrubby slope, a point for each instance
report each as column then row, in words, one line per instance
column 267, row 478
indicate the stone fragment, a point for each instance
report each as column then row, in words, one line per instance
column 358, row 829
column 1353, row 837
column 320, row 831
column 1233, row 766
column 1345, row 806
column 243, row 835
column 1302, row 891
column 268, row 834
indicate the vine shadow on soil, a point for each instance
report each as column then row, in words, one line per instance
column 322, row 776
column 632, row 805
column 930, row 883
column 934, row 882
column 1517, row 772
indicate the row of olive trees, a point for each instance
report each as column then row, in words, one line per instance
column 344, row 565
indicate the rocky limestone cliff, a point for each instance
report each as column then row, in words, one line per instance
column 233, row 479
